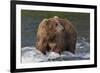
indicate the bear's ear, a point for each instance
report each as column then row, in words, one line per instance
column 55, row 17
column 46, row 20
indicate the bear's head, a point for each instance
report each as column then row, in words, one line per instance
column 53, row 26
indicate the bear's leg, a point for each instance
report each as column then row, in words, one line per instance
column 71, row 46
column 41, row 46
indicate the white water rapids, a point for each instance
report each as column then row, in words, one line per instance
column 31, row 54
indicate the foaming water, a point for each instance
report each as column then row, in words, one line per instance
column 31, row 54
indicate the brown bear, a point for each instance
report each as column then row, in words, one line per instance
column 57, row 35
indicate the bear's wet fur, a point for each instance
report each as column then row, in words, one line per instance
column 57, row 35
